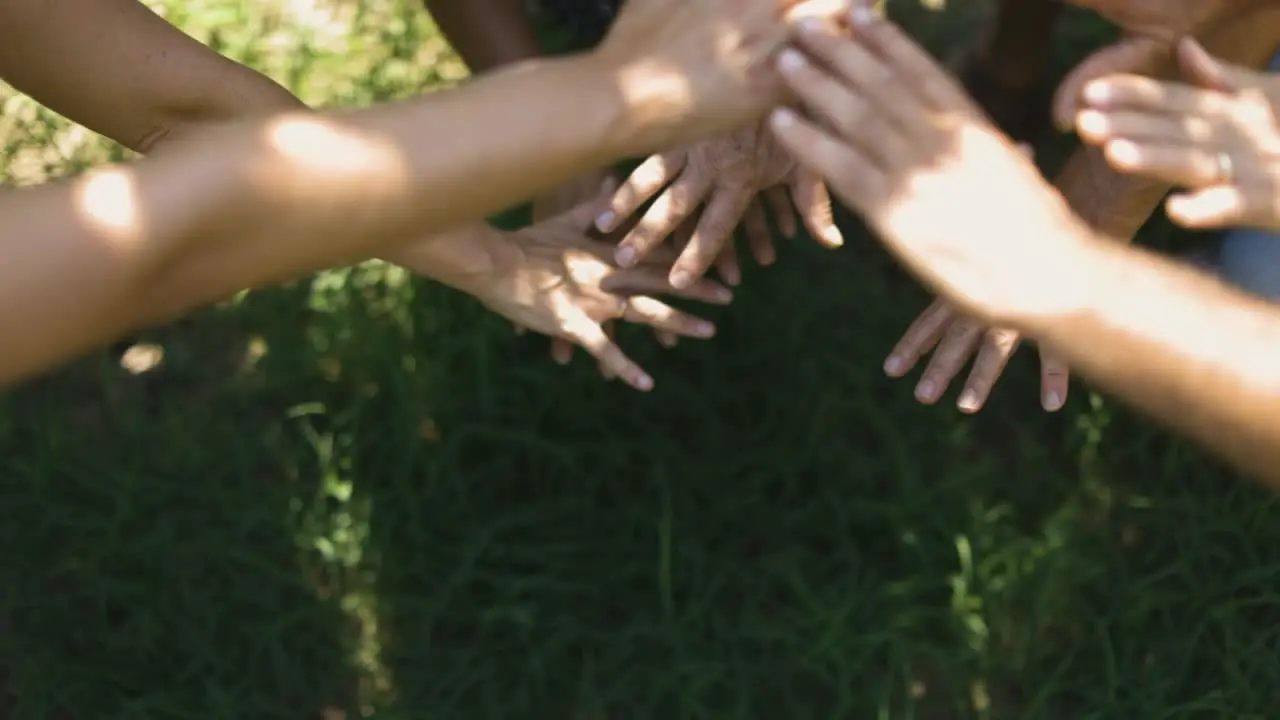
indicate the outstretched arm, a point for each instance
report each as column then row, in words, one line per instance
column 259, row 201
column 1194, row 353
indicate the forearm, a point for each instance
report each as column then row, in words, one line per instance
column 261, row 201
column 486, row 33
column 1193, row 353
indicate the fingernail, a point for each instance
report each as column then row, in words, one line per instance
column 681, row 279
column 1052, row 402
column 722, row 295
column 604, row 221
column 893, row 366
column 861, row 15
column 968, row 401
column 625, row 256
column 1124, row 153
column 704, row 329
column 790, row 60
column 926, row 390
column 1096, row 92
column 1093, row 123
column 783, row 118
column 643, row 382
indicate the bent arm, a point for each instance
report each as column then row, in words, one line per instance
column 1197, row 355
column 119, row 69
column 260, row 201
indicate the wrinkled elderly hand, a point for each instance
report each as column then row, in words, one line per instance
column 724, row 177
column 1221, row 139
column 947, row 193
column 1152, row 28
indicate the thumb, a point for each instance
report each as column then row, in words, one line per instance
column 1132, row 55
column 1208, row 71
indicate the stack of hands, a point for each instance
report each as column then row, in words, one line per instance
column 882, row 126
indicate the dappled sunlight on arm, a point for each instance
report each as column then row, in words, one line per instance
column 107, row 202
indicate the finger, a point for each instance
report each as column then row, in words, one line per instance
column 715, row 229
column 814, row 205
column 1098, row 127
column 727, row 265
column 644, row 182
column 756, row 227
column 921, row 337
column 836, row 104
column 561, row 351
column 666, row 339
column 847, row 169
column 672, row 207
column 606, row 372
column 1055, row 378
column 1222, row 206
column 1209, row 72
column 663, row 317
column 1132, row 56
column 1176, row 165
column 910, row 68
column 998, row 345
column 591, row 336
column 778, row 201
column 1150, row 96
column 957, row 346
column 653, row 280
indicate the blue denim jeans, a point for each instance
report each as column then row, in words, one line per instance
column 1250, row 259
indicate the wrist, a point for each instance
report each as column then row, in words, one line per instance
column 1076, row 270
column 648, row 105
column 458, row 258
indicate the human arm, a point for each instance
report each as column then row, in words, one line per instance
column 1178, row 344
column 951, row 197
column 1115, row 204
column 119, row 69
column 262, row 200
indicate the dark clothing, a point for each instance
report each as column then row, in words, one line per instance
column 586, row 21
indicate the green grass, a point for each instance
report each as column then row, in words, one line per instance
column 364, row 494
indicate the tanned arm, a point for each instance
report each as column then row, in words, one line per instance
column 1194, row 353
column 254, row 202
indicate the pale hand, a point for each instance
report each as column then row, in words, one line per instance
column 1219, row 137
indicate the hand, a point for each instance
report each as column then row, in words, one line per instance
column 1152, row 27
column 553, row 279
column 955, row 200
column 1222, row 140
column 726, row 175
column 693, row 69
